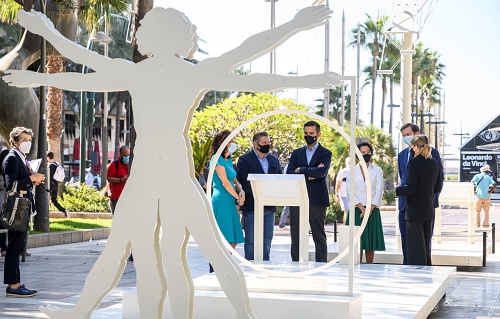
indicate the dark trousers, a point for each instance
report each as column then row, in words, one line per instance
column 112, row 205
column 317, row 217
column 418, row 242
column 402, row 230
column 3, row 240
column 53, row 197
column 12, row 273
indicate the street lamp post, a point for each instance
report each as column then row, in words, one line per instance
column 429, row 114
column 296, row 74
column 272, row 55
column 100, row 37
column 436, row 146
column 462, row 136
column 392, row 106
column 104, row 162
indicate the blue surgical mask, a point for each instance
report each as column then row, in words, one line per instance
column 407, row 139
column 125, row 159
column 232, row 148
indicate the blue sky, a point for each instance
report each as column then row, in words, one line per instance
column 462, row 32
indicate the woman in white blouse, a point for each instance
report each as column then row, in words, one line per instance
column 373, row 236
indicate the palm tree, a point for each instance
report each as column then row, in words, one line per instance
column 425, row 65
column 371, row 34
column 335, row 101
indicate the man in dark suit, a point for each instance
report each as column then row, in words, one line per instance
column 257, row 161
column 408, row 130
column 313, row 161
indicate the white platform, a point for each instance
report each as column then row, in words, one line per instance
column 443, row 254
column 387, row 291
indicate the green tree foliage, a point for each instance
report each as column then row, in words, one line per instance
column 286, row 130
column 83, row 199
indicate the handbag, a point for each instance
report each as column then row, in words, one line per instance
column 15, row 212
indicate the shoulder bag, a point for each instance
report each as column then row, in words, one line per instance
column 15, row 212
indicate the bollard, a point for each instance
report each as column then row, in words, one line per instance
column 493, row 238
column 335, row 231
column 484, row 248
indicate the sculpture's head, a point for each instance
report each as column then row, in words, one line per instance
column 167, row 32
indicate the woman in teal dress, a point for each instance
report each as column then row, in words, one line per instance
column 372, row 238
column 226, row 191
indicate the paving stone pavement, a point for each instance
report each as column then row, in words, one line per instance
column 58, row 273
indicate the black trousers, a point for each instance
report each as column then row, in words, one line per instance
column 12, row 273
column 112, row 205
column 418, row 242
column 53, row 197
column 317, row 217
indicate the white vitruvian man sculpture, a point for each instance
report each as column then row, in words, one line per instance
column 162, row 192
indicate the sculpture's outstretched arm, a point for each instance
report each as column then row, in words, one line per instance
column 70, row 81
column 264, row 42
column 261, row 82
column 38, row 23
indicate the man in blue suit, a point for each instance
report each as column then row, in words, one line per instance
column 313, row 161
column 257, row 161
column 408, row 130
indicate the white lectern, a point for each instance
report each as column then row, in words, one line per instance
column 273, row 190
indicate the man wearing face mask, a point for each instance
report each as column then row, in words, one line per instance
column 117, row 175
column 257, row 161
column 408, row 130
column 313, row 161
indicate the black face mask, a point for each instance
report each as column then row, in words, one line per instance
column 367, row 157
column 310, row 139
column 264, row 148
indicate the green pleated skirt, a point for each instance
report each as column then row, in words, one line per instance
column 373, row 235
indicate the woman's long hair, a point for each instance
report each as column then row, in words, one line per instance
column 422, row 142
column 217, row 142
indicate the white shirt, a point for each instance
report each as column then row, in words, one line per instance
column 377, row 185
column 340, row 176
column 89, row 179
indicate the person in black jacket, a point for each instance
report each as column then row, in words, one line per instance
column 313, row 161
column 16, row 169
column 257, row 161
column 423, row 182
column 54, row 185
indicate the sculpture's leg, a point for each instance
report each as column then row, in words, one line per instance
column 173, row 246
column 151, row 282
column 229, row 274
column 103, row 276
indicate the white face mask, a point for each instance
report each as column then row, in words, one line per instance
column 25, row 147
column 232, row 148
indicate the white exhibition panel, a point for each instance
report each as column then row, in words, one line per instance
column 274, row 190
column 459, row 194
column 166, row 76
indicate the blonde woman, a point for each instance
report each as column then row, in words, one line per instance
column 422, row 183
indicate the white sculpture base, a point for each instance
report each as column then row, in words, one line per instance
column 214, row 304
column 418, row 289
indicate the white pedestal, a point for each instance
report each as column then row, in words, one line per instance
column 214, row 304
column 344, row 243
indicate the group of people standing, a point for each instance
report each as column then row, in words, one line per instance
column 231, row 187
column 421, row 180
column 421, row 177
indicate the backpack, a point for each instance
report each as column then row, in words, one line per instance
column 59, row 174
